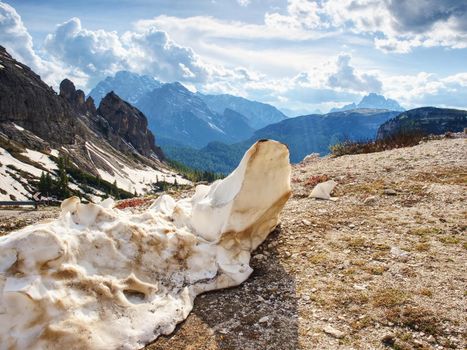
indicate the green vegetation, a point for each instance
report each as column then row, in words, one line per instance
column 215, row 158
column 59, row 187
column 194, row 174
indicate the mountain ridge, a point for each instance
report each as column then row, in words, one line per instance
column 372, row 100
column 195, row 119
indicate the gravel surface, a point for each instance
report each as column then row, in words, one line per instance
column 383, row 266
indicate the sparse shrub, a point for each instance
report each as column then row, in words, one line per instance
column 425, row 231
column 415, row 318
column 314, row 180
column 422, row 247
column 389, row 297
column 371, row 146
column 449, row 239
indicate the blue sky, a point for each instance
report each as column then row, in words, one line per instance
column 299, row 55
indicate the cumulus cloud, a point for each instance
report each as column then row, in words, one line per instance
column 402, row 24
column 150, row 51
column 91, row 51
column 427, row 89
column 345, row 77
column 15, row 37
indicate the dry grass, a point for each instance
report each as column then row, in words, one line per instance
column 416, row 318
column 389, row 297
column 371, row 146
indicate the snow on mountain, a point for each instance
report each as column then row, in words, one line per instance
column 129, row 86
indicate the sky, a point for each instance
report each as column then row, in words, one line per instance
column 299, row 55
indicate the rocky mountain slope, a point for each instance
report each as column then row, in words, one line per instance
column 258, row 114
column 381, row 267
column 105, row 146
column 373, row 101
column 425, row 121
column 178, row 115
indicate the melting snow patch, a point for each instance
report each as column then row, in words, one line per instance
column 18, row 127
column 14, row 185
column 132, row 179
column 41, row 158
column 102, row 278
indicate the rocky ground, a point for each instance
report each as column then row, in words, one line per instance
column 383, row 266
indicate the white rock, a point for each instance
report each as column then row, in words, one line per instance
column 263, row 319
column 370, row 200
column 102, row 278
column 323, row 190
column 333, row 332
column 313, row 157
column 398, row 253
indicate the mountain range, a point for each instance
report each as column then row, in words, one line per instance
column 372, row 101
column 178, row 115
column 112, row 146
column 303, row 135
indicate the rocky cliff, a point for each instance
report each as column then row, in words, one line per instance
column 30, row 103
column 130, row 124
column 111, row 143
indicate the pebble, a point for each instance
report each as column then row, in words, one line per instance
column 334, row 332
column 351, row 226
column 263, row 319
column 306, row 222
column 390, row 192
column 369, row 200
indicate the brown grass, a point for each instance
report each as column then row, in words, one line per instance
column 416, row 318
column 389, row 297
column 371, row 146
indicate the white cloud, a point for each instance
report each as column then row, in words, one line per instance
column 94, row 52
column 16, row 39
column 346, row 78
column 244, row 3
column 301, row 14
column 402, row 25
column 425, row 89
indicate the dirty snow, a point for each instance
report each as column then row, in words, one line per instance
column 102, row 278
